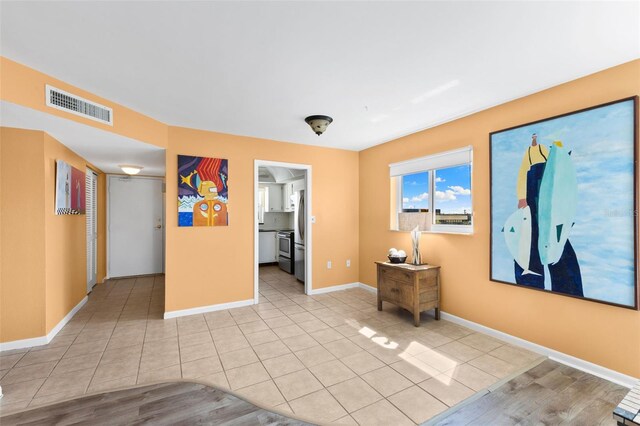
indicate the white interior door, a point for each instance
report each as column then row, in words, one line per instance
column 135, row 234
column 92, row 227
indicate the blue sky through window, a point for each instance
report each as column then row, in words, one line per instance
column 453, row 189
column 415, row 191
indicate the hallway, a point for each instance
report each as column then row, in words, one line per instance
column 331, row 357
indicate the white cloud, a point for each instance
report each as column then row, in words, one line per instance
column 422, row 197
column 458, row 190
column 447, row 195
column 405, row 200
column 439, row 179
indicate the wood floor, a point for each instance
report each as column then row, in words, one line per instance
column 163, row 404
column 548, row 394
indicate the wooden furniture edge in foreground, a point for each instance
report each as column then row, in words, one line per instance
column 415, row 288
column 628, row 411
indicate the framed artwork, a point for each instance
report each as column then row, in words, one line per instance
column 563, row 204
column 70, row 189
column 202, row 191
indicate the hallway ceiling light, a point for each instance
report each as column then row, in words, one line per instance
column 130, row 170
column 319, row 123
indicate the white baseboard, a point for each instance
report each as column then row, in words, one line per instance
column 571, row 361
column 368, row 288
column 43, row 340
column 333, row 288
column 210, row 308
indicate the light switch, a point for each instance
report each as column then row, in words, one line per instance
column 313, row 219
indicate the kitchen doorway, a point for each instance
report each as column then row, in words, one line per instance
column 282, row 227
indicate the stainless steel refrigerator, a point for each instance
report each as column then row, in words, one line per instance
column 300, row 221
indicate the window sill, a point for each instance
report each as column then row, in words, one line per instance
column 450, row 231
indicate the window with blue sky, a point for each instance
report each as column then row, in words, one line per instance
column 415, row 191
column 453, row 194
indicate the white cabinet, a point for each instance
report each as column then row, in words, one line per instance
column 267, row 244
column 288, row 202
column 275, row 198
column 298, row 185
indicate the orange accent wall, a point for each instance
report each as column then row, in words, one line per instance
column 43, row 265
column 602, row 334
column 206, row 266
column 25, row 86
column 65, row 241
column 22, row 235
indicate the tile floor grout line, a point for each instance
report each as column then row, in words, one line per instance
column 116, row 323
column 57, row 362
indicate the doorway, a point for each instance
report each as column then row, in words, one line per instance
column 135, row 226
column 285, row 193
column 91, row 189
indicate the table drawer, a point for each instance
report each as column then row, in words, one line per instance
column 397, row 275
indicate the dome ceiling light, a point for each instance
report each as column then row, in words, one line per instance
column 318, row 123
column 130, row 169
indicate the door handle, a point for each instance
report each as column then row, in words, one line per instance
column 158, row 226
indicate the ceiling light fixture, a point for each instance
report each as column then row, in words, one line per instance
column 318, row 123
column 130, row 170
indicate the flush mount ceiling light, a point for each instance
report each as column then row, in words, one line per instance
column 318, row 123
column 130, row 169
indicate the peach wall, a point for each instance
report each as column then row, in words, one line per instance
column 602, row 334
column 25, row 86
column 65, row 241
column 43, row 263
column 22, row 235
column 207, row 266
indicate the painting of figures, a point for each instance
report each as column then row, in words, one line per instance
column 563, row 205
column 70, row 189
column 202, row 191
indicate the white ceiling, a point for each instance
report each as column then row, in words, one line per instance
column 103, row 149
column 380, row 69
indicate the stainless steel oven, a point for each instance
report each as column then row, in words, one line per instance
column 285, row 251
column 285, row 239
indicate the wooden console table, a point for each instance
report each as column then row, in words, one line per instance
column 414, row 288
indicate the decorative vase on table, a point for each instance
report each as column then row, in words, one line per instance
column 415, row 240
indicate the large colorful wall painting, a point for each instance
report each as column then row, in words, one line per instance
column 70, row 189
column 202, row 191
column 563, row 207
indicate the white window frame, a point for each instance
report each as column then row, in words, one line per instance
column 430, row 164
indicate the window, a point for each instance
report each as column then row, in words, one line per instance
column 415, row 192
column 433, row 193
column 452, row 201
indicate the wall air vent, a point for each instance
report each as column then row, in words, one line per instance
column 64, row 101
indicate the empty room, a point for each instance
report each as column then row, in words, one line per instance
column 319, row 212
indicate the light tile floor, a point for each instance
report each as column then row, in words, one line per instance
column 331, row 357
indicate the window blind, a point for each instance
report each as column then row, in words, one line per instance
column 431, row 162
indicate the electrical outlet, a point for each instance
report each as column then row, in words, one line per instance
column 348, row 263
column 329, row 264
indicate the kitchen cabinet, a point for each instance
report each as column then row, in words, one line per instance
column 288, row 202
column 275, row 198
column 267, row 244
